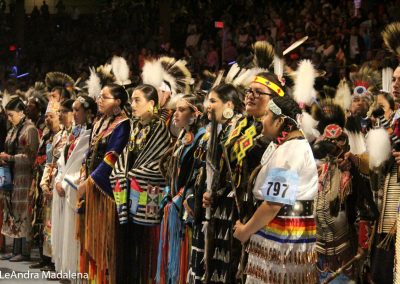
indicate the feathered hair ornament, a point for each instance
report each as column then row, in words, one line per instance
column 5, row 99
column 120, row 70
column 58, row 79
column 93, row 84
column 304, row 92
column 343, row 95
column 38, row 90
column 176, row 74
column 105, row 73
column 168, row 71
column 378, row 147
column 391, row 38
column 264, row 54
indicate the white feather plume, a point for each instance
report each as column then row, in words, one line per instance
column 93, row 84
column 343, row 95
column 309, row 127
column 387, row 74
column 304, row 83
column 5, row 99
column 173, row 101
column 279, row 64
column 153, row 73
column 378, row 147
column 247, row 76
column 120, row 69
column 233, row 72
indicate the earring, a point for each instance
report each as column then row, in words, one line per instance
column 116, row 110
column 191, row 120
column 227, row 113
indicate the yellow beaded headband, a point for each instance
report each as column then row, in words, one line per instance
column 274, row 87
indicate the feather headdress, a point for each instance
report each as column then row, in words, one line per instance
column 167, row 69
column 38, row 90
column 177, row 75
column 366, row 81
column 326, row 113
column 58, row 79
column 391, row 37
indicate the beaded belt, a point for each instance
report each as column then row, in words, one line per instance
column 301, row 208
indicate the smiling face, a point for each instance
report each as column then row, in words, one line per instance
column 256, row 99
column 216, row 104
column 183, row 114
column 141, row 107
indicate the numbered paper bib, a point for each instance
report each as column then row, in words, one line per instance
column 281, row 186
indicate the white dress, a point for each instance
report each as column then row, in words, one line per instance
column 65, row 244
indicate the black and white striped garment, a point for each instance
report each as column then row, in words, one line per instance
column 391, row 198
column 144, row 166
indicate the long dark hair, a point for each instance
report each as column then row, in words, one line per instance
column 149, row 92
column 291, row 110
column 15, row 105
column 228, row 92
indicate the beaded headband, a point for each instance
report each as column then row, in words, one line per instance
column 271, row 85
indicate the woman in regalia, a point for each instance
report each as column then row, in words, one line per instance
column 175, row 235
column 138, row 171
column 225, row 101
column 21, row 144
column 282, row 230
column 245, row 147
column 108, row 138
column 66, row 249
column 54, row 204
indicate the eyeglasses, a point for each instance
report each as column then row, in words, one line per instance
column 255, row 93
column 106, row 98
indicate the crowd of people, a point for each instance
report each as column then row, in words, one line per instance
column 248, row 154
column 338, row 36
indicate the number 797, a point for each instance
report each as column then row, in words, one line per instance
column 276, row 187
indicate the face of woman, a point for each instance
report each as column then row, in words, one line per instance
column 271, row 127
column 78, row 113
column 216, row 104
column 52, row 121
column 106, row 101
column 14, row 117
column 66, row 117
column 141, row 107
column 384, row 104
column 256, row 99
column 183, row 114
